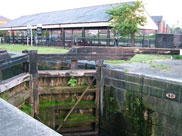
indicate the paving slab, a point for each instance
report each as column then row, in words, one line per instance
column 163, row 69
column 14, row 122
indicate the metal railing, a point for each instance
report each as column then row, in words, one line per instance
column 80, row 41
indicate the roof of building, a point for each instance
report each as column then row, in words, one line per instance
column 157, row 18
column 16, row 123
column 80, row 17
column 2, row 18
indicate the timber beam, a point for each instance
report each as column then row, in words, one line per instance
column 14, row 81
column 13, row 60
column 105, row 53
column 66, row 73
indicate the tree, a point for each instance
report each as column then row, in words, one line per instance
column 177, row 30
column 126, row 18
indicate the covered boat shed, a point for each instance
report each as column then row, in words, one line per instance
column 84, row 26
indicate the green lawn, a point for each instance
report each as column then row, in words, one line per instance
column 139, row 58
column 20, row 48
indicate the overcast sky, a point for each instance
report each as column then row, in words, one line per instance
column 170, row 9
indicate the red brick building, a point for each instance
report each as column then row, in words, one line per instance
column 161, row 24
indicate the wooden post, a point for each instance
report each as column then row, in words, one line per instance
column 74, row 64
column 1, row 76
column 33, row 70
column 98, row 81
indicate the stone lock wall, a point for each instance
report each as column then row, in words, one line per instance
column 166, row 113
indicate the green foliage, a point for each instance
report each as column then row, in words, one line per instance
column 127, row 18
column 135, row 113
column 4, row 96
column 177, row 56
column 81, row 117
column 72, row 82
column 70, row 103
column 83, row 82
column 73, row 100
column 113, row 123
column 26, row 108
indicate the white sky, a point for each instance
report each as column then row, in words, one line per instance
column 170, row 9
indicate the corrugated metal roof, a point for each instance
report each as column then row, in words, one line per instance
column 157, row 18
column 85, row 15
column 79, row 15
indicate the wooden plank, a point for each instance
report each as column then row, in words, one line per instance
column 106, row 53
column 82, row 134
column 84, row 56
column 64, row 90
column 20, row 98
column 66, row 73
column 76, row 129
column 76, row 122
column 14, row 81
column 120, row 50
column 13, row 61
column 69, row 106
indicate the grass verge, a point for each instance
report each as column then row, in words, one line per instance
column 19, row 48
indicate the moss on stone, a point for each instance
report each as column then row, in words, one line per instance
column 134, row 120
